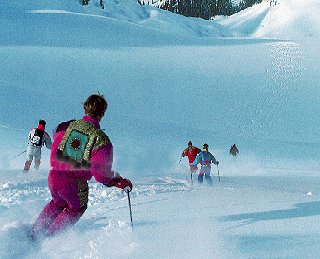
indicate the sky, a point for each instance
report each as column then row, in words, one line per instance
column 250, row 79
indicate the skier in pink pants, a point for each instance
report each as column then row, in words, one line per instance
column 79, row 151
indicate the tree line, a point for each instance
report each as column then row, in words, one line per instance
column 205, row 9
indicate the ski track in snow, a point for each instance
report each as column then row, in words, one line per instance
column 104, row 217
column 286, row 70
column 16, row 193
column 284, row 77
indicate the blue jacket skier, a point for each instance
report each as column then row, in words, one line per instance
column 205, row 158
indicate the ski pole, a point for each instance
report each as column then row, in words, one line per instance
column 20, row 154
column 180, row 159
column 218, row 173
column 130, row 209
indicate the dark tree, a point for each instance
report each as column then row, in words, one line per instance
column 206, row 8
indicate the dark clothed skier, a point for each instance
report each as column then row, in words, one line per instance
column 234, row 150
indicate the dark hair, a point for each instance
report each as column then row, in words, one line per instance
column 189, row 143
column 42, row 122
column 95, row 105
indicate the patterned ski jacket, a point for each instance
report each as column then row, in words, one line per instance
column 82, row 155
column 205, row 158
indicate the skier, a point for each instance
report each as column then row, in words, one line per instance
column 234, row 150
column 273, row 2
column 191, row 152
column 37, row 138
column 205, row 158
column 102, row 4
column 80, row 150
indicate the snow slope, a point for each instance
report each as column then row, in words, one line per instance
column 286, row 20
column 167, row 80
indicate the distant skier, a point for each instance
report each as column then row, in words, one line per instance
column 234, row 150
column 273, row 2
column 102, row 4
column 80, row 150
column 205, row 158
column 37, row 138
column 191, row 152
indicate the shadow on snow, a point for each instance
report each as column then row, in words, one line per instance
column 300, row 210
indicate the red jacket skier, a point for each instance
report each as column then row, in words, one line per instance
column 79, row 151
column 191, row 152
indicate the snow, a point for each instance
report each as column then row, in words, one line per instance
column 285, row 20
column 250, row 79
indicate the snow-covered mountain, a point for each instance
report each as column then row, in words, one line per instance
column 250, row 79
column 277, row 19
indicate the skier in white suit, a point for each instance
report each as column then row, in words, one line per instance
column 37, row 138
